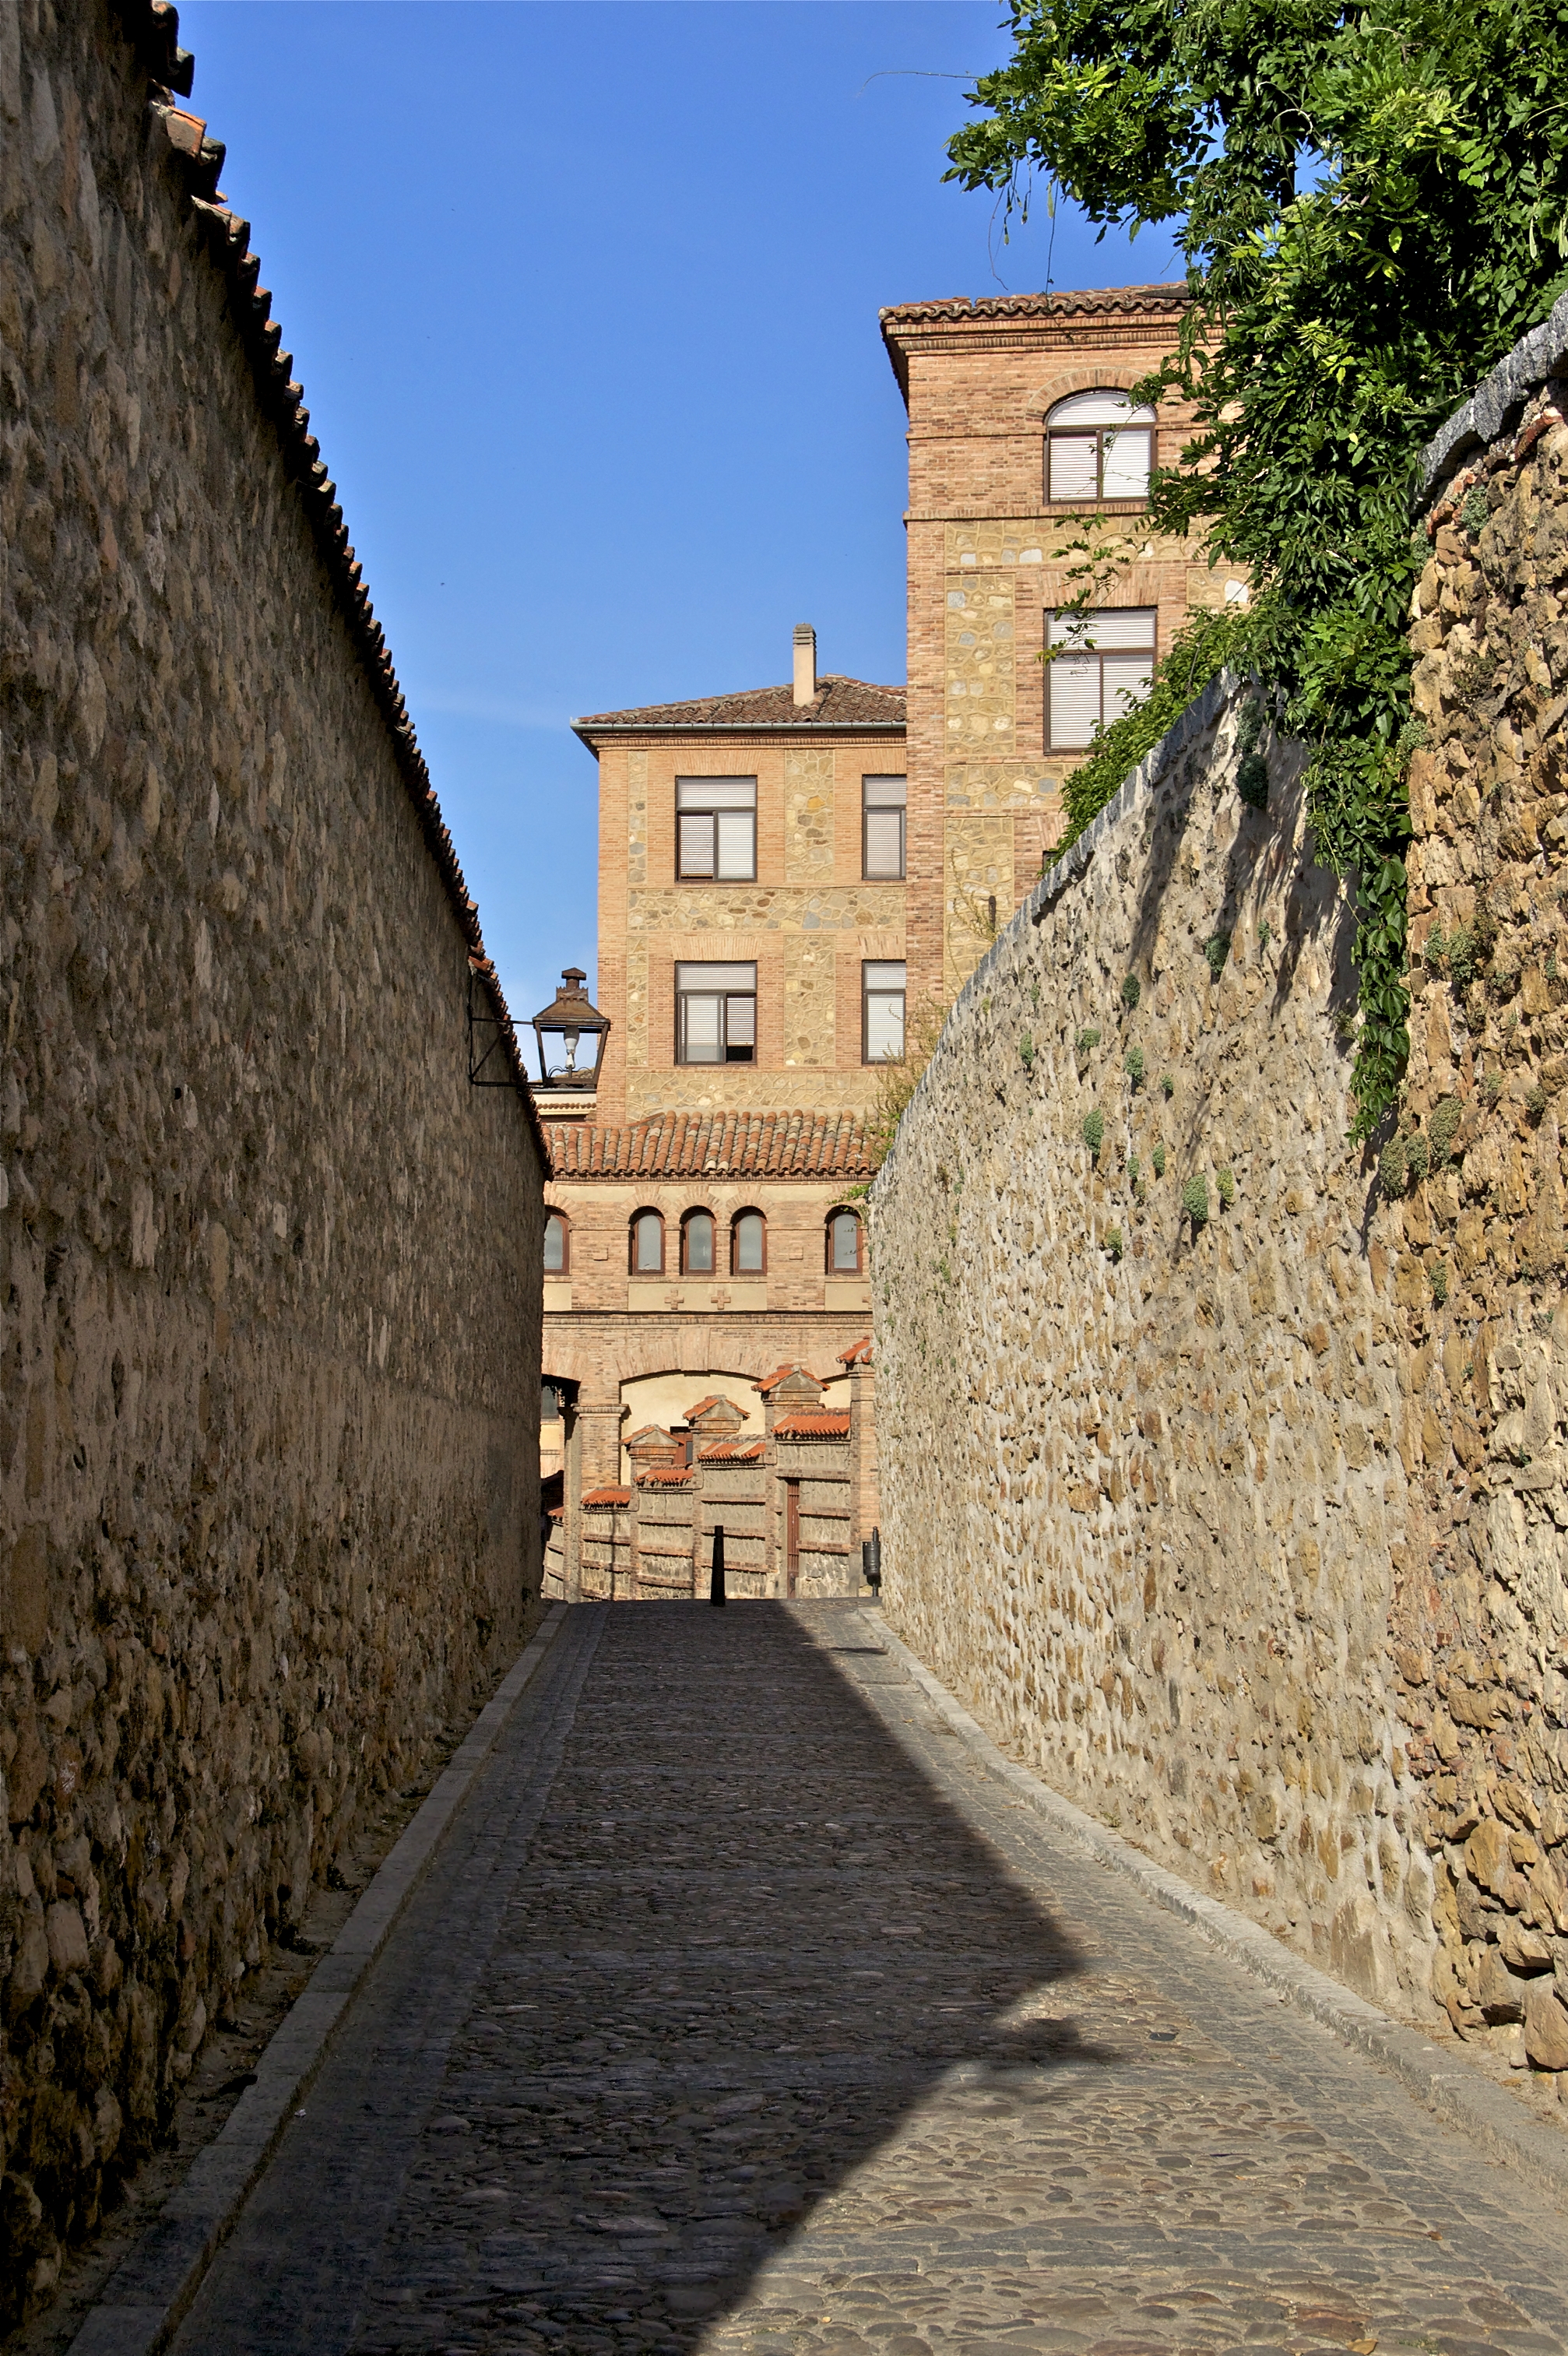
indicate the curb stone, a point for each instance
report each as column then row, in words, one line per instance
column 146, row 2296
column 1452, row 2088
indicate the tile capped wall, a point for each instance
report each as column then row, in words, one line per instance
column 269, row 1289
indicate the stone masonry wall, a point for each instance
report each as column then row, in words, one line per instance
column 1251, row 1533
column 269, row 1267
column 1481, row 1623
column 1141, row 1476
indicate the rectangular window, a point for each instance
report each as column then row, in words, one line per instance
column 882, row 1012
column 715, row 1014
column 1094, row 463
column 1100, row 668
column 716, row 829
column 882, row 803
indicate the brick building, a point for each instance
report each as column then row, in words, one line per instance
column 1023, row 451
column 781, row 871
column 751, row 964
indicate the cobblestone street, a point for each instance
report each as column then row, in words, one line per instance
column 744, row 2010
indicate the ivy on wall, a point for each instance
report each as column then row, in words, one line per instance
column 1372, row 204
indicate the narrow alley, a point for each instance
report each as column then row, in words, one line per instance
column 745, row 2008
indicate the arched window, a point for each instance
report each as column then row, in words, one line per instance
column 647, row 1244
column 557, row 1243
column 844, row 1243
column 1098, row 446
column 748, row 1244
column 697, row 1244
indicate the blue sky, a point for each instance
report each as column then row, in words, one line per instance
column 584, row 296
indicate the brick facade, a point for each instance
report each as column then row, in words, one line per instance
column 989, row 558
column 784, row 1134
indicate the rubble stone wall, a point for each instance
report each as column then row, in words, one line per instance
column 1481, row 1622
column 1248, row 1528
column 269, row 1267
column 1141, row 1473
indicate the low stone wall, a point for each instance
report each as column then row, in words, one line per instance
column 1245, row 1521
column 1140, row 1469
column 269, row 1266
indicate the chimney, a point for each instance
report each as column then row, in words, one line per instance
column 805, row 663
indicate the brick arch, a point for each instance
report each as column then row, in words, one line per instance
column 1112, row 376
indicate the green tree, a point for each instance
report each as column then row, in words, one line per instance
column 1373, row 204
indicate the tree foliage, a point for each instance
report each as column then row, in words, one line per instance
column 1373, row 204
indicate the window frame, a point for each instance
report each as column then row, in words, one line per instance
column 878, row 778
column 1096, row 655
column 725, row 1059
column 842, row 1211
column 747, row 1211
column 552, row 1211
column 646, row 1210
column 687, row 1220
column 869, row 1061
column 732, row 810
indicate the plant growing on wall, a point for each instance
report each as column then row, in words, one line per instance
column 1094, row 1132
column 1225, row 1180
column 1195, row 1200
column 1131, row 991
column 1370, row 203
column 1027, row 1051
column 1113, row 1242
column 1217, row 948
column 1134, row 1063
column 1157, row 1156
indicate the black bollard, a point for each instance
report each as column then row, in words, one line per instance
column 716, row 1583
column 873, row 1556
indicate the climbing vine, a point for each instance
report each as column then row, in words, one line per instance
column 1372, row 206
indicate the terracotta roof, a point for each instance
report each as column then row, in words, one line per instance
column 152, row 26
column 918, row 319
column 822, row 1425
column 716, row 1145
column 714, row 1398
column 606, row 1497
column 1170, row 294
column 792, row 1367
column 852, row 703
column 734, row 1452
column 664, row 1476
column 858, row 1354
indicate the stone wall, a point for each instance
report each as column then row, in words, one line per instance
column 1481, row 1623
column 269, row 1267
column 1247, row 1526
column 1140, row 1477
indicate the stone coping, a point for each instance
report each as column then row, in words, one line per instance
column 1495, row 400
column 150, row 2291
column 1435, row 2074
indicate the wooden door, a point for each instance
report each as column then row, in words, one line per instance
column 791, row 1534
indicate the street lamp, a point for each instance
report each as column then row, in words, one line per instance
column 571, row 1034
